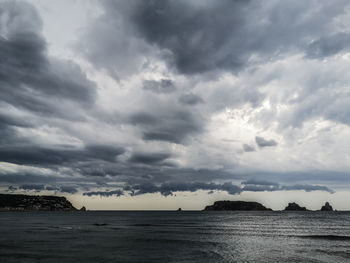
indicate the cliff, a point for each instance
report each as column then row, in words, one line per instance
column 11, row 202
column 295, row 207
column 236, row 206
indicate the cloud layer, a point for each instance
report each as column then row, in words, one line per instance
column 176, row 96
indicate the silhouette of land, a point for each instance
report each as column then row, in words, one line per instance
column 12, row 202
column 236, row 206
column 20, row 202
column 255, row 206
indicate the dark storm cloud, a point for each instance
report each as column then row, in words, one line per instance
column 218, row 35
column 143, row 118
column 68, row 189
column 190, row 38
column 170, row 126
column 262, row 186
column 103, row 152
column 255, row 185
column 36, row 88
column 194, row 40
column 105, row 193
column 29, row 154
column 30, row 79
column 134, row 173
column 171, row 187
column 307, row 188
column 201, row 36
column 51, row 188
column 248, row 148
column 190, row 99
column 262, row 142
column 16, row 121
column 27, row 177
column 8, row 134
column 39, row 187
column 259, row 182
column 149, row 158
column 36, row 187
column 162, row 86
column 328, row 45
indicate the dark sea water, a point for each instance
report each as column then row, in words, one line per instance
column 174, row 237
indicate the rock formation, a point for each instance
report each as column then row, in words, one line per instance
column 12, row 202
column 236, row 206
column 327, row 207
column 295, row 207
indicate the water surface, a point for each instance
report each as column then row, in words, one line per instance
column 201, row 236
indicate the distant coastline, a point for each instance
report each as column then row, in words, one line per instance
column 19, row 202
column 255, row 206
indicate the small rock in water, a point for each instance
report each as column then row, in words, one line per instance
column 327, row 207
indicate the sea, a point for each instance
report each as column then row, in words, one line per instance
column 186, row 236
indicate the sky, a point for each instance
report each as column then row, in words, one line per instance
column 164, row 104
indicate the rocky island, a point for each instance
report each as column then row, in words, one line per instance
column 14, row 202
column 295, row 207
column 236, row 206
column 326, row 207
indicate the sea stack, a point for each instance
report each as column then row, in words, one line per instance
column 326, row 207
column 236, row 206
column 295, row 207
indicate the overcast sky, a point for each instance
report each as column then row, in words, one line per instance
column 161, row 104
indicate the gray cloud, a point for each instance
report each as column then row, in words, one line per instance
column 32, row 81
column 248, row 148
column 262, row 142
column 51, row 188
column 40, row 187
column 160, row 137
column 261, row 186
column 36, row 187
column 35, row 88
column 105, row 193
column 170, row 188
column 259, row 182
column 190, row 99
column 170, row 126
column 143, row 118
column 307, row 188
column 29, row 154
column 218, row 35
column 68, row 189
column 149, row 158
column 328, row 45
column 163, row 86
column 255, row 185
